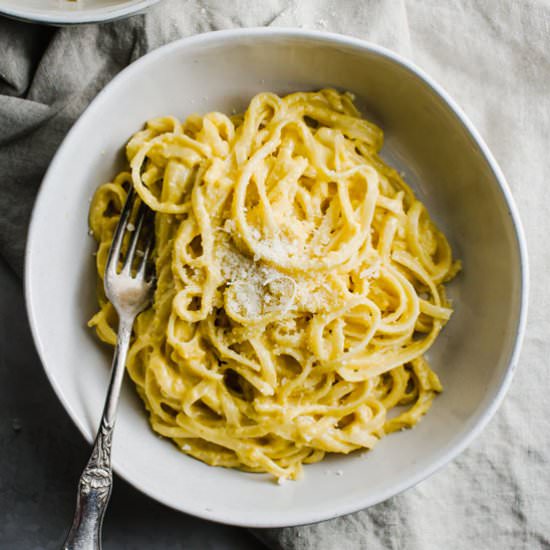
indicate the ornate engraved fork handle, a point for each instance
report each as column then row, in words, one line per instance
column 93, row 495
column 96, row 481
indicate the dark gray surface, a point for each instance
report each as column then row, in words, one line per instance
column 42, row 454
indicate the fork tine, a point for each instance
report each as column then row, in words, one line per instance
column 114, row 251
column 140, row 274
column 127, row 266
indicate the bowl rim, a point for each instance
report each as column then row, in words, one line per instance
column 82, row 17
column 478, row 421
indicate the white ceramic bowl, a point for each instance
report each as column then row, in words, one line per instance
column 64, row 12
column 442, row 155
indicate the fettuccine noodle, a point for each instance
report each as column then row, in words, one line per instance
column 299, row 284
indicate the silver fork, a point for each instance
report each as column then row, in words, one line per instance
column 130, row 294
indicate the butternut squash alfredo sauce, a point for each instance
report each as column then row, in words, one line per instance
column 299, row 284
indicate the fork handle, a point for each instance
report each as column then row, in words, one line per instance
column 94, row 490
column 96, row 481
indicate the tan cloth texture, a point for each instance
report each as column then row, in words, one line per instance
column 493, row 57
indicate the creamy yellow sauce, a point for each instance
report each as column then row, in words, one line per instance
column 299, row 284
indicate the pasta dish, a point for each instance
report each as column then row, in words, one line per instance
column 300, row 284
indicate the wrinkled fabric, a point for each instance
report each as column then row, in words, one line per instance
column 494, row 59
